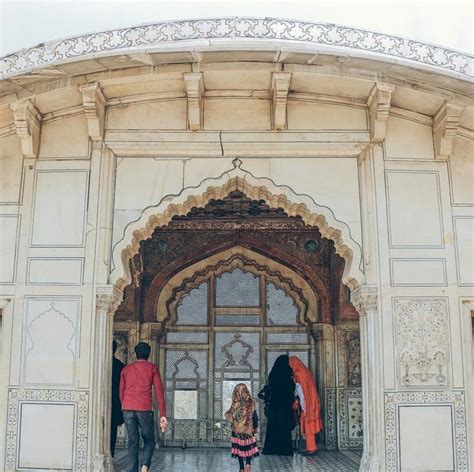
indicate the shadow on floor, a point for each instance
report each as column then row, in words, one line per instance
column 219, row 460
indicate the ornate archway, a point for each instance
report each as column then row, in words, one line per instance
column 279, row 198
column 255, row 188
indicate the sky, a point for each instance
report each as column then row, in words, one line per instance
column 27, row 23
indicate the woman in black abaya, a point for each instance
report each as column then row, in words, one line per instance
column 279, row 397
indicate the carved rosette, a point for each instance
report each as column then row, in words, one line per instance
column 365, row 299
column 108, row 299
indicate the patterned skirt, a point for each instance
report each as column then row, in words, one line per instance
column 244, row 445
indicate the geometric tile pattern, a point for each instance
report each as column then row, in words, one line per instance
column 191, row 460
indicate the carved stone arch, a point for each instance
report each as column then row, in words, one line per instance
column 319, row 287
column 255, row 188
column 184, row 282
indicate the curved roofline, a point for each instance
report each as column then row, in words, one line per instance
column 233, row 33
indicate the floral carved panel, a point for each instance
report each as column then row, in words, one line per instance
column 348, row 356
column 349, row 418
column 422, row 340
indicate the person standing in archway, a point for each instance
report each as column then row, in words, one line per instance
column 117, row 415
column 136, row 383
column 310, row 418
column 279, row 396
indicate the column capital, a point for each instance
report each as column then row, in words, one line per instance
column 365, row 299
column 27, row 126
column 108, row 298
column 322, row 331
column 94, row 103
column 280, row 87
column 379, row 109
column 194, row 89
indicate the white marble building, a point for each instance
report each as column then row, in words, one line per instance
column 109, row 138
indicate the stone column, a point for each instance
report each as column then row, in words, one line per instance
column 325, row 369
column 365, row 300
column 468, row 353
column 108, row 299
column 5, row 326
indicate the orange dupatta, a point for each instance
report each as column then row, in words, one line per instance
column 311, row 422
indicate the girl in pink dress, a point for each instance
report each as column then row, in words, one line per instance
column 244, row 420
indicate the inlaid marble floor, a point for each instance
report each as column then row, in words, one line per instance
column 193, row 460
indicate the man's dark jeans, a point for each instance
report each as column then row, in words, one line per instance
column 144, row 419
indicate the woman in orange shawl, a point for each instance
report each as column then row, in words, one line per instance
column 310, row 420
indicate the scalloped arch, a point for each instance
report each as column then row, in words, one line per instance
column 257, row 188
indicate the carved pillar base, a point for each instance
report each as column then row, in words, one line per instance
column 370, row 463
column 103, row 463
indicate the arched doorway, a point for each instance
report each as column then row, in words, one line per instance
column 221, row 291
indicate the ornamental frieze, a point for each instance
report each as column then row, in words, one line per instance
column 313, row 37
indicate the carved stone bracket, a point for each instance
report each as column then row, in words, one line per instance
column 108, row 298
column 280, row 87
column 27, row 126
column 365, row 299
column 379, row 109
column 94, row 103
column 445, row 128
column 194, row 90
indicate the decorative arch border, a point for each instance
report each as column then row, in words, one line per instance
column 261, row 33
column 257, row 188
column 242, row 261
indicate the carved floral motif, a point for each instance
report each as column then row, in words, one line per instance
column 422, row 340
column 311, row 35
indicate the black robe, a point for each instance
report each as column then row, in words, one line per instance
column 280, row 396
column 117, row 416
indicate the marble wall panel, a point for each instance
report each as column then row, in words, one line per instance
column 11, row 165
column 50, row 341
column 422, row 339
column 47, row 429
column 54, row 271
column 426, row 430
column 65, row 138
column 426, row 438
column 325, row 116
column 236, row 114
column 407, row 139
column 164, row 115
column 414, row 208
column 46, row 439
column 460, row 172
column 418, row 272
column 8, row 243
column 59, row 208
column 464, row 238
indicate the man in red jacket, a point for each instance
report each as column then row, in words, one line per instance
column 136, row 382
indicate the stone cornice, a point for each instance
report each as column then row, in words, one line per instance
column 215, row 33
